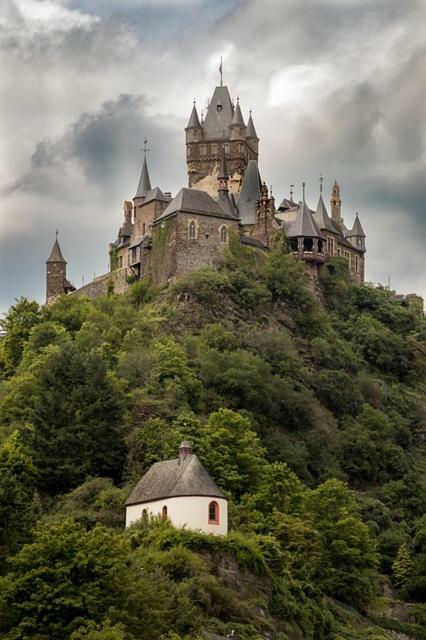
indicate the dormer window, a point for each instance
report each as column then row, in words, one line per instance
column 219, row 107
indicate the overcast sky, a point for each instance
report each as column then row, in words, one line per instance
column 336, row 86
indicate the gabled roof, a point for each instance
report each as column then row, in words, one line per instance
column 56, row 254
column 356, row 230
column 193, row 201
column 304, row 226
column 217, row 121
column 322, row 218
column 194, row 120
column 238, row 119
column 174, row 478
column 250, row 131
column 249, row 194
column 144, row 182
column 155, row 194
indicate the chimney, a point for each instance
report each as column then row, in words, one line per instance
column 185, row 450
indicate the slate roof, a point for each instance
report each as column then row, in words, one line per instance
column 194, row 120
column 304, row 226
column 144, row 182
column 238, row 119
column 216, row 122
column 56, row 254
column 174, row 478
column 356, row 230
column 322, row 218
column 249, row 194
column 250, row 131
column 252, row 242
column 193, row 201
column 155, row 194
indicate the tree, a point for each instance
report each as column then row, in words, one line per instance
column 17, row 325
column 403, row 566
column 17, row 486
column 76, row 412
column 233, row 453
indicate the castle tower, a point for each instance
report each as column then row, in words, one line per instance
column 223, row 125
column 264, row 226
column 56, row 274
column 336, row 204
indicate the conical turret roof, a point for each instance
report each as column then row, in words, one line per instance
column 194, row 120
column 357, row 229
column 322, row 218
column 144, row 182
column 56, row 254
column 251, row 131
column 249, row 194
column 304, row 226
column 238, row 119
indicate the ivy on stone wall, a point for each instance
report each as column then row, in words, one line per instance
column 113, row 258
column 159, row 241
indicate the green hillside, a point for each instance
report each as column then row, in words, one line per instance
column 308, row 411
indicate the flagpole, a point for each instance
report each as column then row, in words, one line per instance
column 221, row 72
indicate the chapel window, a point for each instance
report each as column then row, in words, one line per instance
column 164, row 511
column 144, row 514
column 223, row 234
column 213, row 512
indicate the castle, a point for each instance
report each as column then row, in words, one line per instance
column 163, row 238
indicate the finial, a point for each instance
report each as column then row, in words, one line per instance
column 303, row 189
column 145, row 148
column 270, row 190
column 250, row 111
column 57, row 233
column 321, row 180
column 194, row 102
column 238, row 97
column 202, row 116
column 291, row 192
column 221, row 72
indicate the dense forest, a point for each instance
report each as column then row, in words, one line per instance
column 309, row 411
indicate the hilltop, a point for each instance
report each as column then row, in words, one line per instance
column 307, row 407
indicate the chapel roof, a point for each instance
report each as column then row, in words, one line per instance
column 173, row 478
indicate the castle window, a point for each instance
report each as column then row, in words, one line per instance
column 223, row 234
column 339, row 252
column 241, row 148
column 357, row 264
column 143, row 228
column 144, row 514
column 164, row 512
column 192, row 230
column 219, row 108
column 226, row 148
column 330, row 245
column 214, row 148
column 308, row 244
column 294, row 245
column 202, row 150
column 320, row 248
column 188, row 151
column 120, row 261
column 213, row 512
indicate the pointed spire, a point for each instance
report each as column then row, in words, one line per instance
column 238, row 119
column 357, row 229
column 56, row 253
column 251, row 131
column 249, row 193
column 144, row 182
column 194, row 120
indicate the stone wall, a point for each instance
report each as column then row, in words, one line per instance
column 102, row 285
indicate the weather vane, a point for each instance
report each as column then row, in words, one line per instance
column 145, row 148
column 291, row 192
column 221, row 71
column 321, row 179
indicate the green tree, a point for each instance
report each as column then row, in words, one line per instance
column 403, row 566
column 76, row 413
column 17, row 325
column 233, row 452
column 17, row 486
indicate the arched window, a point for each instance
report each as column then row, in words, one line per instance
column 192, row 230
column 213, row 512
column 143, row 228
column 223, row 234
column 164, row 511
column 144, row 514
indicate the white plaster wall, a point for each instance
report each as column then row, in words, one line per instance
column 189, row 511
